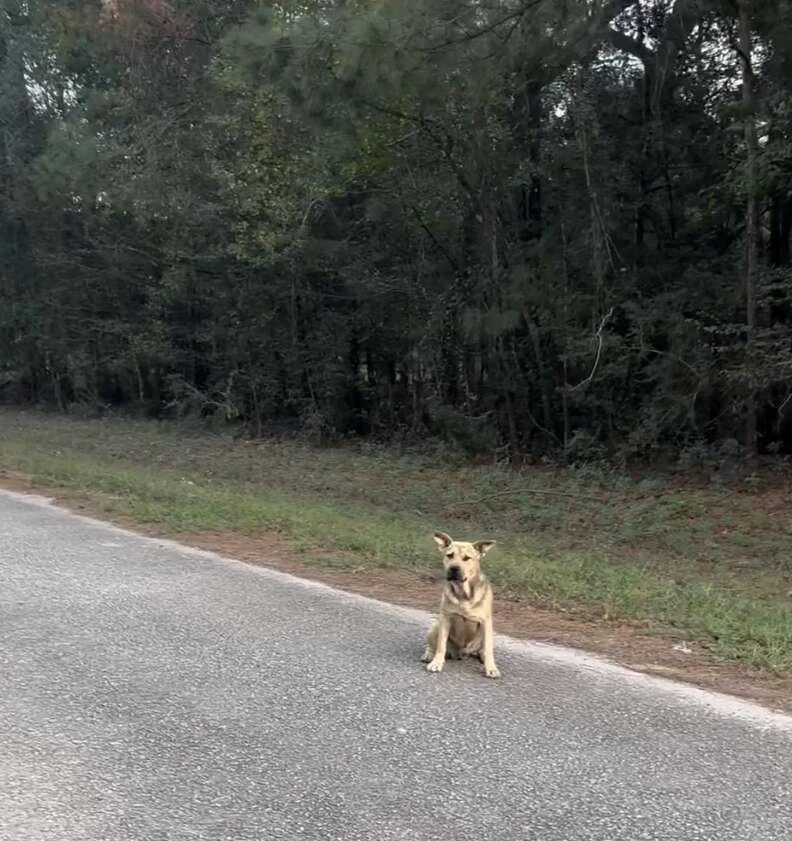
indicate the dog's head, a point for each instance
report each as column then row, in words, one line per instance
column 462, row 561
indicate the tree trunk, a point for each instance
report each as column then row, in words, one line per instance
column 751, row 209
column 785, row 224
column 535, row 152
column 541, row 371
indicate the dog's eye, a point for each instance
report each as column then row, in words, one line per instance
column 466, row 558
column 449, row 554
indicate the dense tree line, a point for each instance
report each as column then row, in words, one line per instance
column 525, row 226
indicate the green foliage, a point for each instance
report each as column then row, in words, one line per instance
column 518, row 227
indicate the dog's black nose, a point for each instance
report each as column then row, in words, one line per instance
column 454, row 573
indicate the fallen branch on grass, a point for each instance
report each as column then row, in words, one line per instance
column 542, row 492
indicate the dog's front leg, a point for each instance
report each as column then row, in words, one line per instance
column 487, row 653
column 441, row 640
column 431, row 642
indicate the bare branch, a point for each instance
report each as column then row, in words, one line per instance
column 598, row 335
column 538, row 491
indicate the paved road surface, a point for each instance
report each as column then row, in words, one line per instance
column 149, row 692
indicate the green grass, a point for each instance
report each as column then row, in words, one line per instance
column 705, row 563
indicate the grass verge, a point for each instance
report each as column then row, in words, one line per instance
column 704, row 563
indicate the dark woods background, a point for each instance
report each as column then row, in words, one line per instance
column 556, row 227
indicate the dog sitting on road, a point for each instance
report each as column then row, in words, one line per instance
column 464, row 626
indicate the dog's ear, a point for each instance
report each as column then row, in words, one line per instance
column 442, row 539
column 483, row 546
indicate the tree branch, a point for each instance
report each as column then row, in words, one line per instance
column 684, row 15
column 598, row 334
column 621, row 41
column 515, row 16
column 444, row 143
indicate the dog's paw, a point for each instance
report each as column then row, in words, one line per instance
column 492, row 671
column 435, row 666
column 426, row 656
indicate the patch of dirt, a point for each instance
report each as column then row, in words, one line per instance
column 629, row 645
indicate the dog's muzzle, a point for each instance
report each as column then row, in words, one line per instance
column 454, row 573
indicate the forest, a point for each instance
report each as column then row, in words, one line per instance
column 552, row 229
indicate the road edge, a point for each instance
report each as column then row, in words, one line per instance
column 720, row 703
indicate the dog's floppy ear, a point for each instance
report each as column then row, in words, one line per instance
column 442, row 539
column 483, row 546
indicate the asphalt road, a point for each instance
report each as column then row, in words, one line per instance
column 151, row 692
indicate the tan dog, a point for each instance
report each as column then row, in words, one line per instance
column 464, row 626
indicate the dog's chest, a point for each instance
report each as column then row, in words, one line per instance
column 468, row 607
column 467, row 613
